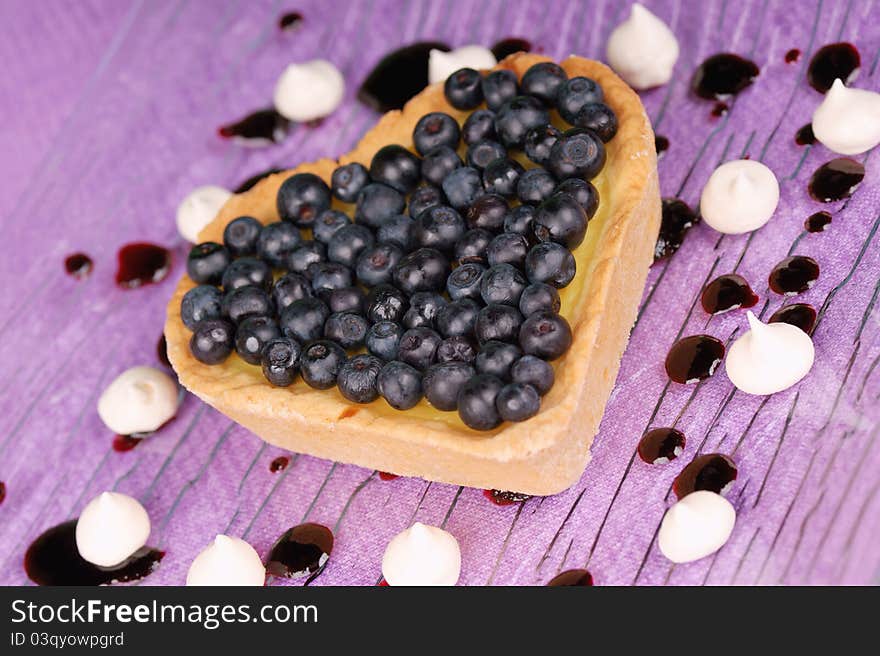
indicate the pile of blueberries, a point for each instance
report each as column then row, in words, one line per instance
column 444, row 284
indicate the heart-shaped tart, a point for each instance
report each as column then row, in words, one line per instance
column 307, row 410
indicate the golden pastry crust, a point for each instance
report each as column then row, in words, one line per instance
column 543, row 455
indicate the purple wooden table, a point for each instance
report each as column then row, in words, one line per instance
column 110, row 112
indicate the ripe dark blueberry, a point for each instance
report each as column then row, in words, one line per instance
column 574, row 95
column 516, row 117
column 545, row 334
column 303, row 320
column 531, row 370
column 577, row 154
column 472, row 246
column 301, row 198
column 303, row 256
column 345, row 299
column 247, row 271
column 443, row 382
column 599, row 118
column 478, row 126
column 276, row 242
column 482, row 153
column 346, row 329
column 245, row 302
column 463, row 89
column 200, row 303
column 320, row 362
column 206, row 262
column 375, row 264
column 356, row 379
column 538, row 142
column 397, row 167
column 386, row 303
column 327, row 223
column 422, row 198
column 433, row 130
column 400, row 385
column 439, row 163
column 501, row 177
column 499, row 87
column 519, row 220
column 329, row 275
column 518, row 402
column 211, row 341
column 240, row 236
column 377, row 203
column 539, row 297
column 439, row 227
column 348, row 243
column 417, row 347
column 543, row 81
column 551, row 263
column 535, row 186
column 583, row 192
column 464, row 281
column 463, row 186
column 423, row 270
column 487, row 212
column 289, row 288
column 252, row 335
column 397, row 230
column 508, row 248
column 496, row 321
column 476, row 402
column 502, row 283
column 280, row 361
column 560, row 218
column 457, row 318
column 456, row 349
column 496, row 358
column 382, row 339
column 423, row 307
column 348, row 180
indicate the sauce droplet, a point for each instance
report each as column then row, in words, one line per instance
column 263, row 126
column 572, row 577
column 2, row 491
column 794, row 275
column 801, row 315
column 722, row 76
column 677, row 219
column 301, row 551
column 727, row 292
column 805, row 136
column 78, row 265
column 719, row 109
column 123, row 443
column 399, row 76
column 661, row 145
column 504, row 498
column 792, row 56
column 836, row 180
column 162, row 351
column 279, row 464
column 695, row 358
column 817, row 222
column 713, row 472
column 251, row 182
column 509, row 46
column 141, row 264
column 385, row 476
column 660, row 445
column 836, row 60
column 290, row 20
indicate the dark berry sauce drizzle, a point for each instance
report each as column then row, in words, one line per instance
column 802, row 315
column 661, row 145
column 572, row 578
column 141, row 264
column 507, row 47
column 78, row 265
column 817, row 222
column 713, row 472
column 123, row 443
column 301, row 551
column 694, row 358
column 805, row 136
column 719, row 109
column 279, row 464
column 290, row 20
column 2, row 491
column 399, row 76
column 723, row 76
column 792, row 56
column 836, row 180
column 385, row 476
column 727, row 292
column 261, row 126
column 661, row 445
column 162, row 351
column 836, row 60
column 677, row 219
column 504, row 498
column 794, row 275
column 254, row 179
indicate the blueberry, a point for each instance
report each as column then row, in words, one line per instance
column 400, row 385
column 320, row 362
column 386, row 303
column 463, row 186
column 422, row 198
column 583, row 192
column 247, row 271
column 382, row 339
column 499, row 87
column 240, row 236
column 211, row 341
column 348, row 180
column 303, row 256
column 519, row 220
column 439, row 227
column 245, row 302
column 301, row 198
column 376, row 203
column 289, row 288
column 478, row 126
column 551, row 263
column 501, row 177
column 599, row 118
column 252, row 334
column 280, row 361
column 417, row 347
column 206, row 262
column 488, row 212
column 464, row 281
column 574, row 95
column 457, row 318
column 200, row 303
column 376, row 263
column 396, row 167
column 543, row 81
column 577, row 154
column 276, row 242
column 357, row 378
column 502, row 283
column 423, row 307
column 476, row 402
column 539, row 297
column 516, row 117
column 496, row 358
column 397, row 230
column 560, row 218
column 346, row 329
column 545, row 334
column 518, row 402
column 463, row 89
column 346, row 244
column 496, row 321
column 433, row 130
column 443, row 382
column 535, row 186
column 329, row 275
column 538, row 142
column 439, row 163
column 345, row 299
column 422, row 270
column 508, row 248
column 531, row 370
column 303, row 320
column 327, row 223
column 481, row 153
column 472, row 246
column 459, row 348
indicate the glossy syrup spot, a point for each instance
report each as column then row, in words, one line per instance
column 836, row 60
column 262, row 127
column 723, row 76
column 290, row 20
column 817, row 222
column 385, row 476
column 695, row 358
column 794, row 275
column 712, row 471
column 805, row 136
column 78, row 265
column 792, row 56
column 141, row 264
column 2, row 491
column 301, row 551
column 727, row 292
column 802, row 315
column 719, row 110
column 504, row 498
column 660, row 445
column 279, row 464
column 572, row 578
column 251, row 182
column 123, row 443
column 677, row 219
column 836, row 180
column 661, row 145
column 399, row 76
column 507, row 47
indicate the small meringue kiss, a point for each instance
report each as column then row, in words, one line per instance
column 111, row 528
column 739, row 197
column 198, row 209
column 422, row 555
column 139, row 400
column 443, row 64
column 769, row 358
column 227, row 561
column 309, row 91
column 642, row 49
column 848, row 120
column 695, row 527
